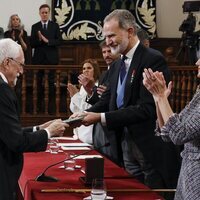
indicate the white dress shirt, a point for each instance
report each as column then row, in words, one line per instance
column 127, row 61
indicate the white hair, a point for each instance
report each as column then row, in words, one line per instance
column 9, row 48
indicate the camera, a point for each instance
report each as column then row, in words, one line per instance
column 188, row 24
column 191, row 6
column 190, row 39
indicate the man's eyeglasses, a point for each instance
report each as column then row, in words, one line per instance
column 19, row 63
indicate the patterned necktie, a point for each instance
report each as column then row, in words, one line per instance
column 123, row 69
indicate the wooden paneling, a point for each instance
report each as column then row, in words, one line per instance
column 76, row 52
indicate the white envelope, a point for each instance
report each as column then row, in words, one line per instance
column 74, row 148
column 74, row 144
column 88, row 156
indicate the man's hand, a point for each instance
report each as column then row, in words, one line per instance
column 42, row 37
column 46, row 124
column 101, row 89
column 91, row 118
column 76, row 115
column 57, row 128
column 39, row 36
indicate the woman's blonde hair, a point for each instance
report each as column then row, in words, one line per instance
column 20, row 27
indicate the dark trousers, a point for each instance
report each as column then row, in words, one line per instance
column 136, row 165
column 101, row 136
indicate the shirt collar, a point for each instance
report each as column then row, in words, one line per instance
column 129, row 55
column 3, row 77
column 131, row 52
column 45, row 22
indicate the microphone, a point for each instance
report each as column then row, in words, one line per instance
column 43, row 178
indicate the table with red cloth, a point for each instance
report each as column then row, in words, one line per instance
column 115, row 178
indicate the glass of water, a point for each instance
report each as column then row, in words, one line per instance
column 53, row 146
column 69, row 163
column 98, row 191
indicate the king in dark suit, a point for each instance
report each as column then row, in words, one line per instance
column 128, row 109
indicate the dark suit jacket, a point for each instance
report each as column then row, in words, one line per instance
column 100, row 133
column 139, row 114
column 103, row 80
column 45, row 53
column 14, row 141
column 8, row 34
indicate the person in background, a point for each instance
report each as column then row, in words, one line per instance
column 1, row 33
column 99, row 132
column 14, row 140
column 143, row 37
column 182, row 128
column 128, row 109
column 16, row 32
column 103, row 80
column 90, row 70
column 45, row 39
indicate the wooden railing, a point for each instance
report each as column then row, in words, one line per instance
column 183, row 77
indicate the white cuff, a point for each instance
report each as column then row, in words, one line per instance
column 49, row 135
column 103, row 119
column 34, row 128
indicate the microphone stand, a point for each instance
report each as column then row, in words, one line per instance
column 44, row 178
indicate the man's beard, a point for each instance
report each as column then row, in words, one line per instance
column 120, row 48
column 115, row 50
column 15, row 81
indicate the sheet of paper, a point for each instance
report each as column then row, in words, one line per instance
column 74, row 148
column 74, row 145
column 88, row 156
column 89, row 197
column 64, row 138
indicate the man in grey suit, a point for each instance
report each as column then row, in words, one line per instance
column 128, row 109
column 14, row 140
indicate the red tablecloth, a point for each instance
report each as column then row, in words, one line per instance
column 115, row 178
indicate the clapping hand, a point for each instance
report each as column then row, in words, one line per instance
column 72, row 89
column 156, row 84
column 21, row 34
column 87, row 83
column 42, row 37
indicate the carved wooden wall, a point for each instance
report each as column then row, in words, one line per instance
column 76, row 52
